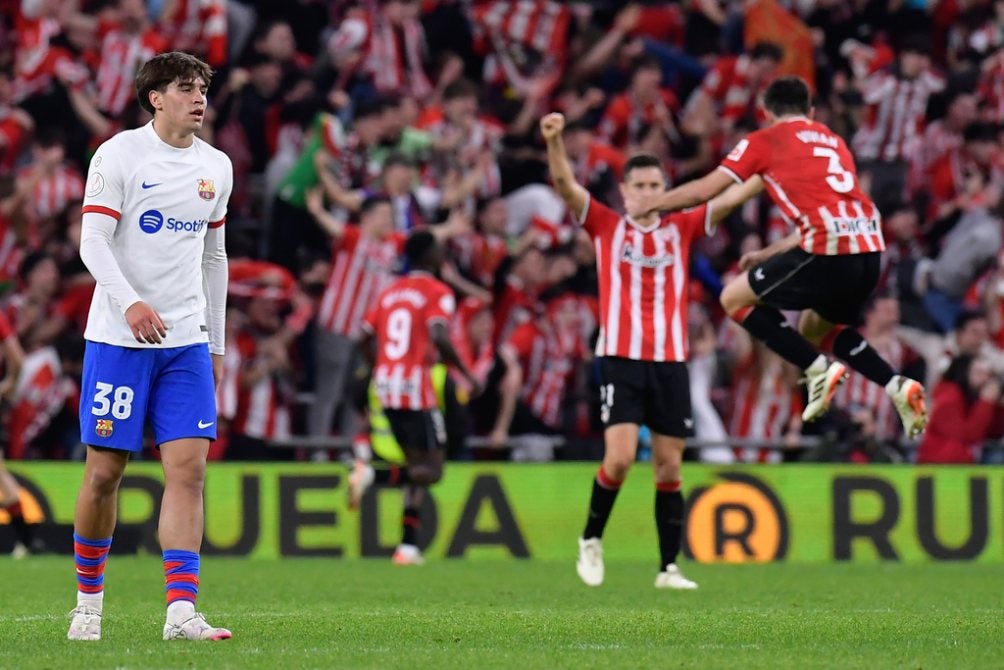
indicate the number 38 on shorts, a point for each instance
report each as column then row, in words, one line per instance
column 127, row 389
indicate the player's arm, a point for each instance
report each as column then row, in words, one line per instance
column 731, row 198
column 97, row 232
column 574, row 194
column 440, row 336
column 215, row 275
column 691, row 194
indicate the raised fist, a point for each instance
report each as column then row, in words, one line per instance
column 552, row 125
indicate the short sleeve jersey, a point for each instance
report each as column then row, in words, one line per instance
column 809, row 173
column 405, row 352
column 644, row 275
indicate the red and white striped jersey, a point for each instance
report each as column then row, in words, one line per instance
column 391, row 56
column 405, row 353
column 809, row 173
column 858, row 391
column 54, row 191
column 643, row 282
column 263, row 410
column 896, row 110
column 548, row 360
column 519, row 38
column 122, row 55
column 361, row 267
column 198, row 26
column 763, row 404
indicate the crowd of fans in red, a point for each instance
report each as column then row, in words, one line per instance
column 350, row 124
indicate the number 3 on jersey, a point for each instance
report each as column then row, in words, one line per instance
column 120, row 405
column 840, row 180
column 398, row 334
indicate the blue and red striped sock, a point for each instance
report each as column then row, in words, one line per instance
column 89, row 558
column 181, row 576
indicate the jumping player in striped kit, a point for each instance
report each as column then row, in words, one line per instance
column 828, row 267
column 643, row 264
column 152, row 236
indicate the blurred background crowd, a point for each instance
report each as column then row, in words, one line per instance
column 350, row 124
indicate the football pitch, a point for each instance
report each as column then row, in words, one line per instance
column 315, row 613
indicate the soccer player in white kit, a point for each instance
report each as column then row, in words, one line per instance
column 153, row 214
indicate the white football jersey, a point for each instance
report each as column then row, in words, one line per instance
column 164, row 199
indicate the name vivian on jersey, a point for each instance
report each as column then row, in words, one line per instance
column 164, row 199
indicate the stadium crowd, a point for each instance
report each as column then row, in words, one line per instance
column 351, row 124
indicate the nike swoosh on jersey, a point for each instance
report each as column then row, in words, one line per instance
column 145, row 185
column 202, row 424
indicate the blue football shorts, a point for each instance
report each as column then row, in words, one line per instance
column 123, row 388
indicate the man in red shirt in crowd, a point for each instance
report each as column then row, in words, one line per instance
column 828, row 267
column 409, row 326
column 643, row 268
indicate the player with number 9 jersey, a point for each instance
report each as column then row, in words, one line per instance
column 405, row 353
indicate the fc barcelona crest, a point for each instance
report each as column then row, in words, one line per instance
column 103, row 428
column 207, row 191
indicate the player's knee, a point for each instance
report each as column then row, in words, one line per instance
column 617, row 467
column 667, row 471
column 103, row 480
column 187, row 472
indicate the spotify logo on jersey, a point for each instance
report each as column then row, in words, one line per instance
column 151, row 221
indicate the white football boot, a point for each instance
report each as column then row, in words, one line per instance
column 822, row 383
column 908, row 397
column 672, row 578
column 85, row 623
column 195, row 628
column 590, row 563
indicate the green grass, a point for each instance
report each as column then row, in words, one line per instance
column 477, row 614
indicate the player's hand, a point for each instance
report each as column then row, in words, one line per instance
column 552, row 125
column 145, row 324
column 217, row 369
column 749, row 259
column 641, row 205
